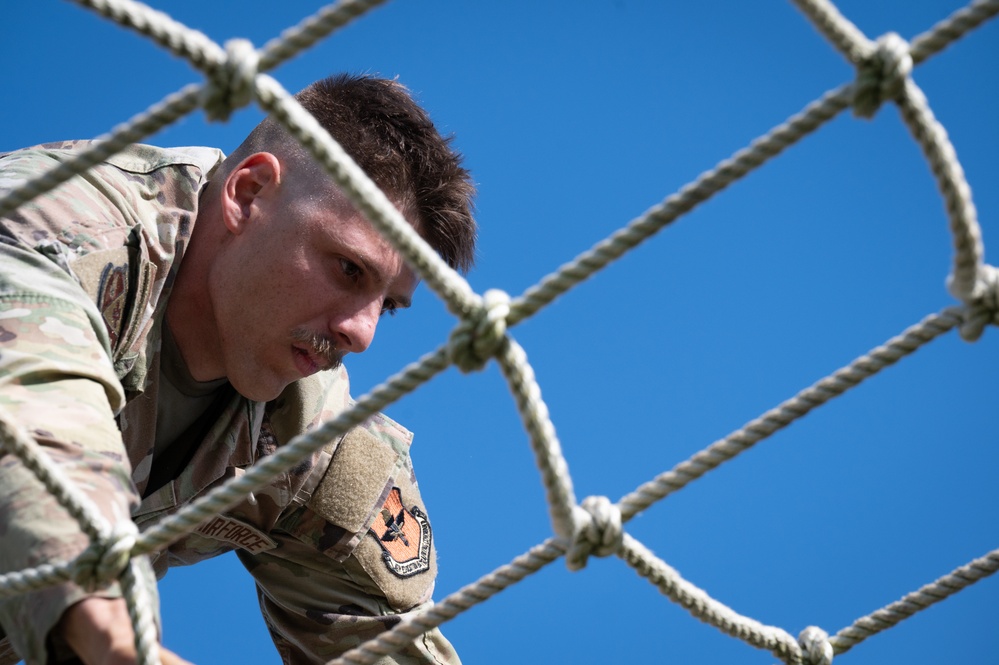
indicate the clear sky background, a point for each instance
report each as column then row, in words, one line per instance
column 576, row 118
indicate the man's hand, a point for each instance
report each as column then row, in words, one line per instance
column 99, row 630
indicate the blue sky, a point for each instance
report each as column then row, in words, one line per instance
column 576, row 118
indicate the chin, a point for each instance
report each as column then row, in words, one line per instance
column 258, row 390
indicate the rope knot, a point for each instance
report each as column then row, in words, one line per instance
column 982, row 308
column 596, row 530
column 815, row 646
column 478, row 338
column 105, row 559
column 231, row 85
column 881, row 75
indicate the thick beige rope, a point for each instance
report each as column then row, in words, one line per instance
column 235, row 77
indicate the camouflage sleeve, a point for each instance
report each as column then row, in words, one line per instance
column 317, row 609
column 57, row 383
column 355, row 558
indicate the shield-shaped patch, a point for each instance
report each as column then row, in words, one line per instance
column 111, row 298
column 404, row 534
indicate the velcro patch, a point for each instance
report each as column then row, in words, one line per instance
column 405, row 536
column 237, row 533
column 104, row 275
column 352, row 488
column 120, row 282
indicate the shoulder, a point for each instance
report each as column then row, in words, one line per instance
column 138, row 157
column 107, row 237
column 141, row 186
column 357, row 498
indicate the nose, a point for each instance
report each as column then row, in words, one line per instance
column 355, row 329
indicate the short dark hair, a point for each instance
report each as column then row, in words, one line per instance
column 394, row 141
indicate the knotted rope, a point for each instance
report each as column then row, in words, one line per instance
column 815, row 646
column 984, row 309
column 478, row 337
column 231, row 86
column 881, row 75
column 106, row 557
column 597, row 530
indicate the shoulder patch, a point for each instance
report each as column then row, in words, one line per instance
column 119, row 282
column 404, row 535
column 112, row 296
column 373, row 511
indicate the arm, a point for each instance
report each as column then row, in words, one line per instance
column 57, row 383
column 316, row 608
column 355, row 559
column 57, row 378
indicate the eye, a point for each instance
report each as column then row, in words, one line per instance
column 389, row 307
column 350, row 269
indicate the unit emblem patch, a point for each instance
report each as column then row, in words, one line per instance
column 404, row 534
column 111, row 298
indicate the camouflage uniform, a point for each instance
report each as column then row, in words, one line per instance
column 339, row 546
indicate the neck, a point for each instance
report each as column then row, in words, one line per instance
column 189, row 312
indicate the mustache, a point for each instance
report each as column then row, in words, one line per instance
column 323, row 347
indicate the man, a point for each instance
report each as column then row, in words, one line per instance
column 165, row 320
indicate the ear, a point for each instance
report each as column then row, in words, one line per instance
column 254, row 180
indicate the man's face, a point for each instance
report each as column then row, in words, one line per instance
column 301, row 285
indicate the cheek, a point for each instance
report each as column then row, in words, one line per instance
column 280, row 281
column 296, row 298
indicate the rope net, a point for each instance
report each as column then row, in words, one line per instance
column 235, row 76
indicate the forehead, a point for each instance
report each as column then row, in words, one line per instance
column 342, row 229
column 325, row 201
column 313, row 187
